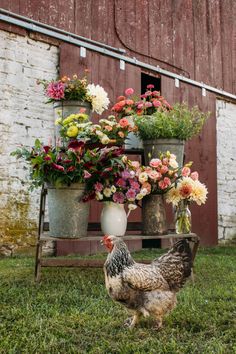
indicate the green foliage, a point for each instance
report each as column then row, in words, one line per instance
column 70, row 311
column 59, row 165
column 181, row 122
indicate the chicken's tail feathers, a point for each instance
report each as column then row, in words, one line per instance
column 176, row 265
column 182, row 247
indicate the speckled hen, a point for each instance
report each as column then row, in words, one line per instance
column 146, row 289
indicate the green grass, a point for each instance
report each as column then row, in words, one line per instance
column 70, row 312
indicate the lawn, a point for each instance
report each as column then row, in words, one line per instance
column 70, row 312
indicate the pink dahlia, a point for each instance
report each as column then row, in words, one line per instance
column 56, row 90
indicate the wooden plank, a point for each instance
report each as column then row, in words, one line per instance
column 227, row 19
column 183, row 44
column 201, row 57
column 82, row 263
column 46, row 237
column 161, row 30
column 214, row 43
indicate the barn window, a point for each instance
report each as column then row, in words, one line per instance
column 148, row 79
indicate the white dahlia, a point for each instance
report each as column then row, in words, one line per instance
column 100, row 100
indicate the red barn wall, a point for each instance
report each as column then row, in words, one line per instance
column 188, row 37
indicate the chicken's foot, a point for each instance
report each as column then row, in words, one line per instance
column 132, row 321
column 158, row 324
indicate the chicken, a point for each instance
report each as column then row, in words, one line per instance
column 146, row 289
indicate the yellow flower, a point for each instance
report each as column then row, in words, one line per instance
column 173, row 196
column 58, row 121
column 72, row 131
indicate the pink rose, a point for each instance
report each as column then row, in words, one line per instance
column 164, row 169
column 165, row 183
column 194, row 175
column 129, row 91
column 155, row 163
column 148, row 104
column 154, row 175
column 150, row 86
column 186, row 171
column 156, row 103
column 124, row 122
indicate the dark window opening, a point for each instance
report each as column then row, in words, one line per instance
column 148, row 79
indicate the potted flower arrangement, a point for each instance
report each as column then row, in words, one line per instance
column 63, row 171
column 113, row 180
column 107, row 132
column 131, row 105
column 160, row 126
column 71, row 94
column 188, row 189
column 158, row 178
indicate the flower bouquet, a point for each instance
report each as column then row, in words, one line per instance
column 75, row 89
column 108, row 131
column 187, row 189
column 145, row 104
column 55, row 165
column 112, row 177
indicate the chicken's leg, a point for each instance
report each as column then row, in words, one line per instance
column 132, row 321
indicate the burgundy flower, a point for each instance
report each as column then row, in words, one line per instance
column 76, row 145
column 47, row 158
column 71, row 169
column 46, row 148
column 57, row 167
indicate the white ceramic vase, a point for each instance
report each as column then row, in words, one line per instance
column 113, row 219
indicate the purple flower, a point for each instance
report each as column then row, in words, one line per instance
column 125, row 174
column 134, row 185
column 118, row 197
column 131, row 194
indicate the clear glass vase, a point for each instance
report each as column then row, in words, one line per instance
column 183, row 218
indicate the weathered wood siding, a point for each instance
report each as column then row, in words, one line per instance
column 195, row 38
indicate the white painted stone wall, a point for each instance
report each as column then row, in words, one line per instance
column 226, row 169
column 24, row 116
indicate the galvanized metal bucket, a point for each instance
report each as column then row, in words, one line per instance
column 152, row 149
column 65, row 108
column 154, row 215
column 68, row 214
